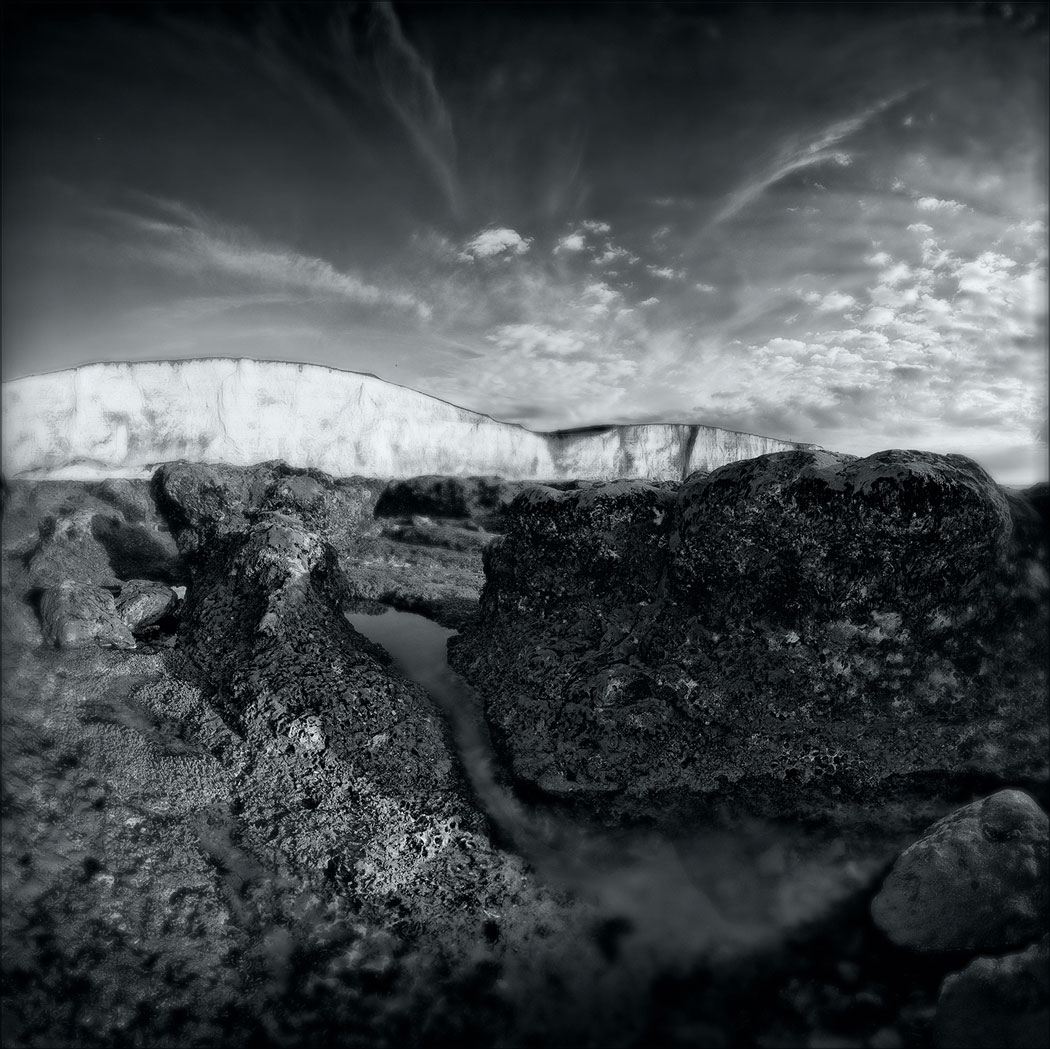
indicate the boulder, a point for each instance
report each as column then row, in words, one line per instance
column 99, row 548
column 798, row 536
column 203, row 501
column 262, row 621
column 976, row 881
column 76, row 615
column 801, row 628
column 142, row 603
column 997, row 1003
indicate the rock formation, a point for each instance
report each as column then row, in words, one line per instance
column 122, row 419
column 803, row 624
column 977, row 880
column 259, row 832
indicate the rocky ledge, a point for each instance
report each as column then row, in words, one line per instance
column 799, row 629
column 230, row 819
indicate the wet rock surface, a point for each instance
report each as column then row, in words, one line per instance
column 266, row 835
column 799, row 629
column 977, row 881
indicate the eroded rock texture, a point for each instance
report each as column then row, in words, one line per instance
column 801, row 624
column 205, row 501
column 330, row 732
column 76, row 614
column 263, row 623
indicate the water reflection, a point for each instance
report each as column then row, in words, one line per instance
column 717, row 886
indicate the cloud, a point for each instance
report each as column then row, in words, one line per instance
column 613, row 253
column 571, row 373
column 500, row 241
column 920, row 227
column 832, row 302
column 946, row 346
column 410, row 91
column 935, row 204
column 795, row 155
column 190, row 243
column 573, row 242
column 665, row 272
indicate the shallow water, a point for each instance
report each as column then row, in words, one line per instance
column 418, row 646
column 419, row 649
column 715, row 886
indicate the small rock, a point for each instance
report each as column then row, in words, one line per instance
column 976, row 880
column 142, row 603
column 997, row 1002
column 75, row 615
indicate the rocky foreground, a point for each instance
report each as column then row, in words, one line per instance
column 770, row 760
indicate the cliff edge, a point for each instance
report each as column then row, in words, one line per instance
column 121, row 419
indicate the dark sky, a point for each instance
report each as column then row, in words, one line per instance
column 823, row 222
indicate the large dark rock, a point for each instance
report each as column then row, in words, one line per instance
column 263, row 623
column 801, row 625
column 799, row 536
column 203, row 501
column 602, row 543
column 977, row 880
column 76, row 615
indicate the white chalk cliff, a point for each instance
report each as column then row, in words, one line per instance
column 120, row 420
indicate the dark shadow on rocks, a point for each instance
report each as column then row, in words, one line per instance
column 136, row 552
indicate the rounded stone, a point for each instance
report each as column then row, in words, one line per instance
column 976, row 881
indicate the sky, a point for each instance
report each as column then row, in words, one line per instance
column 818, row 222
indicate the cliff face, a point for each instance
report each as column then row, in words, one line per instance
column 121, row 419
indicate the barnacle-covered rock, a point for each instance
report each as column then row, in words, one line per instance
column 205, row 501
column 263, row 623
column 801, row 624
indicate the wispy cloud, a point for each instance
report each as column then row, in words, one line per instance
column 188, row 242
column 795, row 155
column 411, row 92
